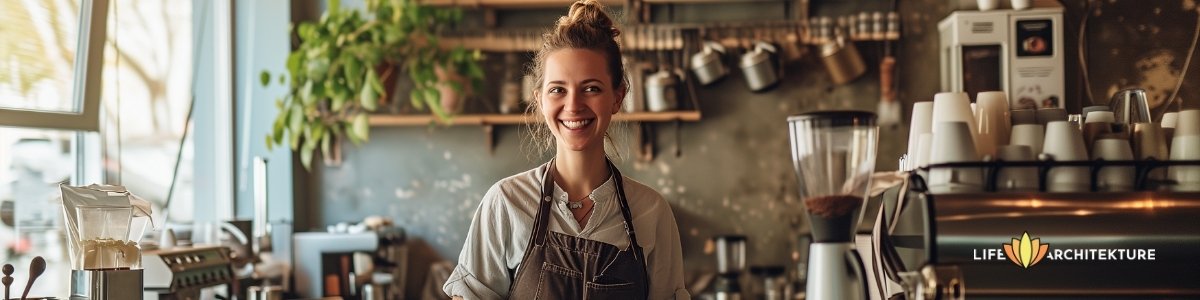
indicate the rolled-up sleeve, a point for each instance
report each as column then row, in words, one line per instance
column 666, row 260
column 481, row 272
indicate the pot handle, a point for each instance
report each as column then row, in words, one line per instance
column 714, row 46
column 760, row 45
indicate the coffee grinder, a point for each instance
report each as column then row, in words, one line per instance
column 731, row 265
column 833, row 153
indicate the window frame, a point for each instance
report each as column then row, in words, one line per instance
column 86, row 79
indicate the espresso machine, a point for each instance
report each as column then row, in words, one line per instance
column 833, row 154
column 995, row 244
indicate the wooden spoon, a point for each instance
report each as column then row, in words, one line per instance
column 35, row 269
column 7, row 280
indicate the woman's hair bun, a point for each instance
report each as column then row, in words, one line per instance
column 587, row 16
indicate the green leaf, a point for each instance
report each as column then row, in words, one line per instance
column 265, row 77
column 368, row 98
column 306, row 93
column 353, row 68
column 361, row 127
column 270, row 145
column 349, row 130
column 317, row 68
column 282, row 79
column 417, row 97
column 334, row 5
column 295, row 124
column 306, row 156
column 474, row 71
column 337, row 104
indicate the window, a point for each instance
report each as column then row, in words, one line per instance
column 63, row 128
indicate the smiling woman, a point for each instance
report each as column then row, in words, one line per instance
column 569, row 228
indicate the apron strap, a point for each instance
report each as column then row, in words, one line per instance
column 633, row 243
column 540, row 222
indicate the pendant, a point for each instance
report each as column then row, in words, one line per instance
column 575, row 205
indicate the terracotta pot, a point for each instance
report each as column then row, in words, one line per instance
column 452, row 101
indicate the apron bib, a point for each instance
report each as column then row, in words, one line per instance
column 560, row 266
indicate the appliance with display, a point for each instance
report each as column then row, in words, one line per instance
column 182, row 273
column 1016, row 51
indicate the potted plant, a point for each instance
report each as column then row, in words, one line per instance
column 342, row 68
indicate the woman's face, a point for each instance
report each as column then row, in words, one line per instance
column 578, row 98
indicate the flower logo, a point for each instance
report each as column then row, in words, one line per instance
column 1026, row 252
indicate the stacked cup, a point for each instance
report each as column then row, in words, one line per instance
column 1185, row 145
column 954, row 139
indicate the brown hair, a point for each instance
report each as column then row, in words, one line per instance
column 586, row 26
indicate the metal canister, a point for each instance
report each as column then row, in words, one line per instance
column 758, row 67
column 707, row 64
column 842, row 60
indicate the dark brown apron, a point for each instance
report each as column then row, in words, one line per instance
column 560, row 266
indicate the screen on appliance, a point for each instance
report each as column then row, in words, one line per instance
column 1035, row 38
column 981, row 69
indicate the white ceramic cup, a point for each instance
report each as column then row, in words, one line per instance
column 954, row 107
column 1064, row 142
column 1169, row 119
column 1016, row 178
column 1092, row 108
column 1020, row 4
column 993, row 120
column 1187, row 178
column 923, row 148
column 922, row 122
column 1032, row 135
column 986, row 5
column 1114, row 178
column 1099, row 117
column 952, row 143
column 1188, row 123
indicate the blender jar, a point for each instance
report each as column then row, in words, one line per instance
column 833, row 154
column 104, row 238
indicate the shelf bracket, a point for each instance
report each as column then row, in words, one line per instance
column 678, row 138
column 645, row 142
column 489, row 135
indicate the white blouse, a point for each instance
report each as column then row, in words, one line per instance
column 502, row 224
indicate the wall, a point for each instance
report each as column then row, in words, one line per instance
column 733, row 174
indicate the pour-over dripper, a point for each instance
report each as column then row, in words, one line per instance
column 833, row 154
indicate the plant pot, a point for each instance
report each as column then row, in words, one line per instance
column 452, row 100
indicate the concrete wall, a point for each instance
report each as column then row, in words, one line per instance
column 733, row 175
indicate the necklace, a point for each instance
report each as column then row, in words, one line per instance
column 576, row 204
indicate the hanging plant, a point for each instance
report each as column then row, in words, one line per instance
column 339, row 69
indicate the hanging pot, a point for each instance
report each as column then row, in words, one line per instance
column 708, row 65
column 842, row 60
column 758, row 67
column 660, row 91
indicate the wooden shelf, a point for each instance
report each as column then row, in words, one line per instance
column 564, row 4
column 510, row 119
